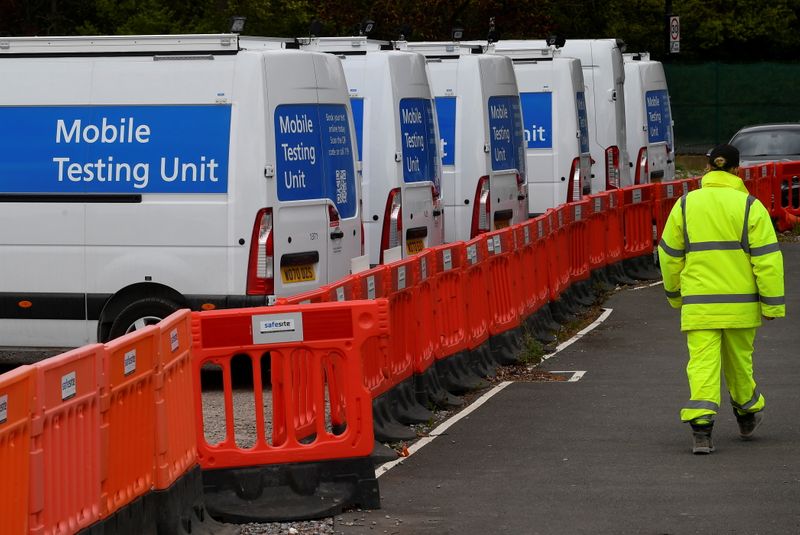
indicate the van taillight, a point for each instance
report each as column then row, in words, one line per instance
column 362, row 237
column 482, row 208
column 437, row 202
column 260, row 272
column 612, row 167
column 642, row 167
column 575, row 187
column 333, row 216
column 392, row 235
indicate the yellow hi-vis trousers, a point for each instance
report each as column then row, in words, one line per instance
column 732, row 349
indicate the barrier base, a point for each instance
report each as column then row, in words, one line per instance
column 537, row 326
column 136, row 518
column 548, row 320
column 296, row 491
column 385, row 424
column 642, row 268
column 575, row 308
column 583, row 292
column 602, row 280
column 405, row 405
column 560, row 311
column 456, row 375
column 181, row 509
column 619, row 276
column 507, row 346
column 430, row 391
column 381, row 453
column 482, row 361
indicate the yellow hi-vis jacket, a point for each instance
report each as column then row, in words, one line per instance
column 719, row 257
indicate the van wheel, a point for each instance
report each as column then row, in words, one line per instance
column 140, row 314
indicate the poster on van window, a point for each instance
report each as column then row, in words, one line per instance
column 446, row 115
column 418, row 140
column 506, row 139
column 537, row 116
column 583, row 122
column 114, row 149
column 659, row 121
column 314, row 155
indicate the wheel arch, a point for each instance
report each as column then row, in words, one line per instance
column 130, row 294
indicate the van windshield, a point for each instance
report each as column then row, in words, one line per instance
column 314, row 155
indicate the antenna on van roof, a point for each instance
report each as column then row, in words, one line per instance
column 556, row 40
column 315, row 28
column 457, row 33
column 405, row 32
column 493, row 35
column 237, row 24
column 366, row 27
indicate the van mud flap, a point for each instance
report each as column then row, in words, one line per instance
column 293, row 491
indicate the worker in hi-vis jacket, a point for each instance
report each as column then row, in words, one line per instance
column 723, row 268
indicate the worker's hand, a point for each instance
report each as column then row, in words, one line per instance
column 767, row 318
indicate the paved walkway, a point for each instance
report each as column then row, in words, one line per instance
column 608, row 453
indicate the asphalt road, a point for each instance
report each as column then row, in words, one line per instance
column 608, row 453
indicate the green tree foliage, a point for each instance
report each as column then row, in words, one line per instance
column 725, row 30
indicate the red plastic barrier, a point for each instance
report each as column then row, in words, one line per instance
column 402, row 294
column 501, row 272
column 374, row 284
column 578, row 234
column 765, row 192
column 542, row 246
column 615, row 230
column 176, row 436
column 66, row 448
column 345, row 289
column 666, row 194
column 129, row 421
column 450, row 311
column 525, row 252
column 304, row 343
column 637, row 214
column 598, row 224
column 318, row 295
column 426, row 336
column 786, row 194
column 17, row 391
column 558, row 246
column 476, row 293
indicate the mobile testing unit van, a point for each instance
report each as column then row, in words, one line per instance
column 149, row 173
column 484, row 185
column 648, row 119
column 397, row 143
column 555, row 124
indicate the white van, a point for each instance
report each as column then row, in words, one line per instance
column 555, row 124
column 604, row 76
column 484, row 184
column 648, row 119
column 149, row 173
column 398, row 143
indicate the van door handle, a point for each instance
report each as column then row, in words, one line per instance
column 337, row 235
column 437, row 213
column 521, row 197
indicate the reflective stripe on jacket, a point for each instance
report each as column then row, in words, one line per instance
column 720, row 259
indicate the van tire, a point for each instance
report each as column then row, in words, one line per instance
column 141, row 313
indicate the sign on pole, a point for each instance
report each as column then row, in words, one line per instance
column 674, row 35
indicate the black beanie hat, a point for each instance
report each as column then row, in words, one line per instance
column 724, row 157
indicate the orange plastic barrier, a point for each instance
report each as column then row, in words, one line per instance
column 318, row 295
column 66, row 448
column 129, row 421
column 403, row 314
column 615, row 227
column 785, row 187
column 426, row 336
column 666, row 194
column 598, row 224
column 578, row 234
column 476, row 293
column 558, row 247
column 312, row 349
column 345, row 289
column 638, row 220
column 176, row 439
column 450, row 311
column 373, row 284
column 525, row 253
column 542, row 246
column 503, row 307
column 17, row 390
column 765, row 188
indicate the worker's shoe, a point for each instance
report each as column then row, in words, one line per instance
column 748, row 423
column 701, row 434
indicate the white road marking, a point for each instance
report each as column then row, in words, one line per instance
column 648, row 285
column 580, row 334
column 576, row 376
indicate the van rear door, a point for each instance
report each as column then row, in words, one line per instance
column 296, row 189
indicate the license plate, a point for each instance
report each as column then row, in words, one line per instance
column 414, row 246
column 290, row 274
column 501, row 223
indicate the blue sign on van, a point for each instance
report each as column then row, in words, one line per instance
column 537, row 113
column 505, row 134
column 314, row 155
column 114, row 149
column 357, row 104
column 446, row 115
column 583, row 122
column 418, row 138
column 659, row 122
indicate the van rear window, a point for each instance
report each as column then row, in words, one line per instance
column 537, row 117
column 505, row 134
column 419, row 141
column 314, row 155
column 446, row 115
column 659, row 119
column 114, row 149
